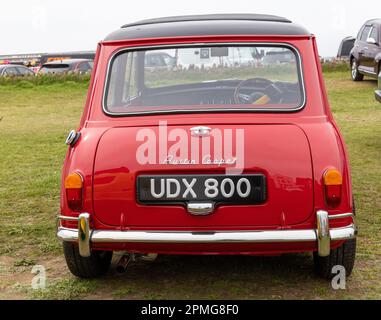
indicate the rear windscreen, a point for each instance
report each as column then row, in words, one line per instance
column 207, row 78
column 52, row 68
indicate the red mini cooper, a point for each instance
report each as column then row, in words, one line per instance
column 207, row 135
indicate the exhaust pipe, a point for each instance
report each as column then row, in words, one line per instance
column 121, row 267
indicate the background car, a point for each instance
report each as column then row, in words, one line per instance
column 10, row 70
column 278, row 57
column 346, row 47
column 365, row 57
column 81, row 66
column 378, row 91
column 159, row 60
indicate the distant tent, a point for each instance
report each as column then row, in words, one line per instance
column 345, row 47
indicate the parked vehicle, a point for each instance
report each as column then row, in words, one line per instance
column 81, row 66
column 239, row 159
column 345, row 48
column 10, row 70
column 365, row 57
column 378, row 91
column 58, row 56
column 163, row 60
column 278, row 57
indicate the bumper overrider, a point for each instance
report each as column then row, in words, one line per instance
column 323, row 235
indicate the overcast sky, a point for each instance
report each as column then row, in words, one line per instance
column 29, row 26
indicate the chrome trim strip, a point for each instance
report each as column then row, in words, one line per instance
column 341, row 216
column 204, row 237
column 223, row 110
column 67, row 218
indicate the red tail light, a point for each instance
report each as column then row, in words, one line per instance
column 333, row 182
column 74, row 191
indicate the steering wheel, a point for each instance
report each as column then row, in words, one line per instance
column 263, row 87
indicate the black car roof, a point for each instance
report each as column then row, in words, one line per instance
column 208, row 17
column 214, row 24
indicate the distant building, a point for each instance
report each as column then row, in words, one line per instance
column 21, row 59
column 37, row 59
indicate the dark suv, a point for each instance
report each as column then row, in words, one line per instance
column 365, row 57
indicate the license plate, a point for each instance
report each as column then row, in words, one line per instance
column 174, row 189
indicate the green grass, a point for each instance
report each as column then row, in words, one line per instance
column 35, row 119
column 65, row 289
column 43, row 80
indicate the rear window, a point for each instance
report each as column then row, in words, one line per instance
column 55, row 68
column 207, row 78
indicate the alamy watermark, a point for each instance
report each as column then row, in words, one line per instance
column 177, row 146
column 339, row 280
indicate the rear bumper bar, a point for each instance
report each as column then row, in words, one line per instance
column 322, row 235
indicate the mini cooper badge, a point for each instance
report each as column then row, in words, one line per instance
column 200, row 131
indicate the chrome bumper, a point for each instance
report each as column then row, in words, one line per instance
column 322, row 235
column 377, row 94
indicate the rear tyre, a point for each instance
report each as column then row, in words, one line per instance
column 342, row 256
column 356, row 75
column 92, row 267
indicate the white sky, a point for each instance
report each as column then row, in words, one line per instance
column 29, row 26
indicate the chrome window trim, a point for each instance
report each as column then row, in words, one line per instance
column 217, row 110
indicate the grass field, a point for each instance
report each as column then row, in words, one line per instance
column 34, row 121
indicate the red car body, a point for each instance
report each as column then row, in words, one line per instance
column 293, row 150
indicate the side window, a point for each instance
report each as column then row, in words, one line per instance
column 123, row 87
column 131, row 87
column 365, row 33
column 11, row 71
column 24, row 71
column 374, row 34
column 84, row 67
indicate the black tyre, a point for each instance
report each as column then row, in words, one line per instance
column 356, row 75
column 342, row 256
column 92, row 267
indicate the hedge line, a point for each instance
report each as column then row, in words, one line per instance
column 70, row 79
column 44, row 80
